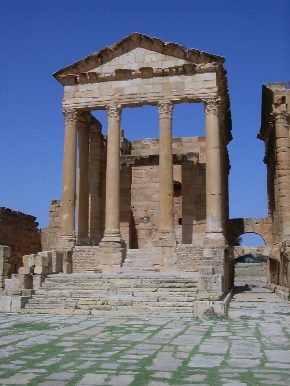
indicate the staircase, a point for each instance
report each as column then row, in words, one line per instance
column 138, row 260
column 124, row 293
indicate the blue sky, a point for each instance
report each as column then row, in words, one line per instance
column 39, row 37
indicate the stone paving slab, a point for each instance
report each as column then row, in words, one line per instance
column 81, row 350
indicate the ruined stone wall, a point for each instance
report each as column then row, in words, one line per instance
column 261, row 226
column 18, row 231
column 140, row 191
column 49, row 235
column 248, row 271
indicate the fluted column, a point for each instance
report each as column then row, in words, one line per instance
column 213, row 168
column 71, row 118
column 83, row 183
column 165, row 167
column 282, row 170
column 112, row 219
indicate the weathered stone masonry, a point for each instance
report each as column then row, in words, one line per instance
column 20, row 232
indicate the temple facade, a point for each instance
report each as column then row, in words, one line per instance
column 157, row 195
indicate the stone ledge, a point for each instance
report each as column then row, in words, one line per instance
column 282, row 292
column 212, row 309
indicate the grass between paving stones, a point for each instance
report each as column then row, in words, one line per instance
column 41, row 352
column 40, row 326
column 146, row 375
column 212, row 374
column 142, row 374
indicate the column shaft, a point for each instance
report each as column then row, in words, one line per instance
column 282, row 170
column 69, row 173
column 83, row 183
column 94, row 185
column 165, row 167
column 213, row 168
column 112, row 220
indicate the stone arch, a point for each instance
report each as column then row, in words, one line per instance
column 239, row 251
column 250, row 244
column 259, row 226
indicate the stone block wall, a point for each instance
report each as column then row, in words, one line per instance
column 140, row 191
column 246, row 271
column 20, row 232
column 189, row 257
column 86, row 259
column 49, row 235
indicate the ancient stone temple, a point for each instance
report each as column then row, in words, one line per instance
column 144, row 225
column 158, row 193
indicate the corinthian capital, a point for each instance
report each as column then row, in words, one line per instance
column 165, row 109
column 211, row 105
column 281, row 118
column 114, row 111
column 71, row 115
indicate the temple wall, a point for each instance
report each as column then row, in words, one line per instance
column 20, row 232
column 140, row 192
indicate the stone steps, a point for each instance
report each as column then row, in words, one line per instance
column 119, row 292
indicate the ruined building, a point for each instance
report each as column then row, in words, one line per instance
column 152, row 213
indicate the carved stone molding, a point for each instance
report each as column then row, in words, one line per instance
column 211, row 105
column 165, row 109
column 71, row 115
column 114, row 111
column 281, row 118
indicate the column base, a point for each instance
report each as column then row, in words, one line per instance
column 214, row 239
column 164, row 251
column 66, row 242
column 112, row 252
column 95, row 240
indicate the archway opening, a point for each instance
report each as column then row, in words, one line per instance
column 251, row 262
column 250, row 239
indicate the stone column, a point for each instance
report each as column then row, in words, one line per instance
column 165, row 244
column 214, row 227
column 94, row 183
column 282, row 169
column 165, row 167
column 112, row 243
column 112, row 219
column 67, row 237
column 83, row 184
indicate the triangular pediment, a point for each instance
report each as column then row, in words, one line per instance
column 137, row 51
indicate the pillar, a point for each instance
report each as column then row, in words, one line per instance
column 112, row 245
column 165, row 167
column 67, row 238
column 214, row 228
column 83, row 184
column 282, row 170
column 94, row 183
column 112, row 216
column 164, row 248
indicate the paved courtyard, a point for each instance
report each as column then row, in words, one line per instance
column 252, row 348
